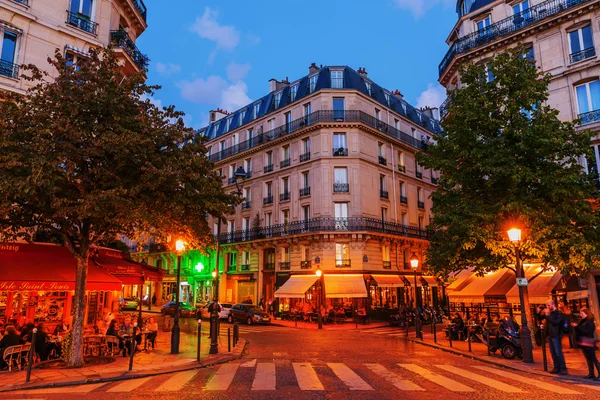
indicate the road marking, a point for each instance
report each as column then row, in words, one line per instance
column 129, row 385
column 307, row 377
column 437, row 379
column 264, row 378
column 176, row 381
column 61, row 390
column 393, row 378
column 349, row 377
column 385, row 331
column 223, row 378
column 534, row 382
column 248, row 364
column 480, row 379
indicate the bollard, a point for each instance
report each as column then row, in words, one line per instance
column 229, row 340
column 355, row 319
column 469, row 338
column 132, row 346
column 489, row 339
column 544, row 356
column 434, row 333
column 30, row 356
column 199, row 339
column 296, row 319
column 450, row 336
column 235, row 329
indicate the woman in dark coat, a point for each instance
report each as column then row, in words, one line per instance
column 584, row 334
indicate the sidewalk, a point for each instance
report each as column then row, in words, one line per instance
column 345, row 326
column 154, row 362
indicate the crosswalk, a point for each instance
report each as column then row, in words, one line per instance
column 269, row 375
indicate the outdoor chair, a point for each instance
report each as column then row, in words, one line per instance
column 112, row 346
column 16, row 356
column 93, row 345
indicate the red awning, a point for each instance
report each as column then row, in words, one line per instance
column 46, row 267
column 127, row 271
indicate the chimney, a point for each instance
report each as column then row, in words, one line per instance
column 313, row 69
column 362, row 72
column 431, row 112
column 398, row 95
column 217, row 114
column 285, row 81
column 273, row 85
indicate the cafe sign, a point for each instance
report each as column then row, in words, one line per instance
column 43, row 286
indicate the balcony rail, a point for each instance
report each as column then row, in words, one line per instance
column 420, row 204
column 285, row 196
column 323, row 224
column 246, row 205
column 24, row 2
column 387, row 265
column 121, row 39
column 419, row 174
column 341, row 187
column 305, row 192
column 231, row 268
column 382, row 160
column 269, row 266
column 506, row 26
column 434, row 180
column 444, row 108
column 401, row 168
column 248, row 174
column 82, row 22
column 285, row 163
column 305, row 264
column 268, row 168
column 284, row 265
column 245, row 267
column 9, row 69
column 317, row 117
column 583, row 54
column 141, row 7
column 589, row 117
column 340, row 152
column 268, row 200
column 304, row 157
column 403, row 200
column 383, row 194
column 231, row 181
column 343, row 263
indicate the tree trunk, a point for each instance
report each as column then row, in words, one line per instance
column 76, row 358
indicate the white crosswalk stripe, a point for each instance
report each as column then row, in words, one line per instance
column 307, row 377
column 533, row 382
column 349, row 377
column 438, row 379
column 128, row 386
column 393, row 378
column 177, row 381
column 223, row 377
column 265, row 377
column 503, row 387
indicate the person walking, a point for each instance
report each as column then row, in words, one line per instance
column 584, row 337
column 554, row 326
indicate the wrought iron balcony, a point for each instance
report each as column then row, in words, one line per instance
column 284, row 265
column 285, row 163
column 9, row 69
column 387, row 265
column 420, row 204
column 141, row 7
column 317, row 117
column 507, row 26
column 589, row 117
column 82, row 22
column 268, row 200
column 383, row 194
column 245, row 267
column 382, row 160
column 305, row 192
column 341, row 188
column 246, row 205
column 304, row 157
column 285, row 196
column 305, row 264
column 268, row 168
column 444, row 108
column 324, row 224
column 583, row 54
column 401, row 168
column 231, row 268
column 24, row 2
column 340, row 152
column 403, row 200
column 248, row 174
column 343, row 263
column 269, row 266
column 231, row 181
column 434, row 180
column 419, row 174
column 120, row 39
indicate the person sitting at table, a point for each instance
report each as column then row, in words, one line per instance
column 27, row 331
column 152, row 327
column 340, row 314
column 472, row 325
column 10, row 338
column 112, row 331
column 459, row 326
column 362, row 315
column 43, row 347
column 126, row 331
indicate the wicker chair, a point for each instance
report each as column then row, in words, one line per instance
column 16, row 356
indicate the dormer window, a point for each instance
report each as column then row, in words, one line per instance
column 387, row 98
column 465, row 7
column 337, row 79
column 242, row 117
column 229, row 120
column 293, row 92
column 369, row 87
column 277, row 99
column 312, row 83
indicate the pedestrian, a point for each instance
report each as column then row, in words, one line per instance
column 584, row 336
column 554, row 326
column 261, row 304
column 154, row 299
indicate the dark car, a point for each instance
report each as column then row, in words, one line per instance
column 249, row 314
column 185, row 310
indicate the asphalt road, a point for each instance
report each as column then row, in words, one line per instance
column 285, row 363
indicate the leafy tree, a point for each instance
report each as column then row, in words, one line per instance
column 505, row 160
column 87, row 155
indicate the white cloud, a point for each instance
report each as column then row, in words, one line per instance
column 433, row 96
column 167, row 69
column 420, row 7
column 237, row 72
column 235, row 96
column 157, row 102
column 227, row 37
column 215, row 91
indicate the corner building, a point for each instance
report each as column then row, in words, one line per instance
column 562, row 36
column 331, row 182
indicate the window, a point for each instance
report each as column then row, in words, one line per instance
column 384, row 214
column 228, row 123
column 385, row 253
column 465, row 6
column 377, row 114
column 342, row 254
column 277, row 99
column 382, row 184
column 269, row 156
column 305, row 252
column 521, row 12
column 269, row 189
column 230, row 226
column 396, row 124
column 402, row 189
column 340, row 210
column 285, row 254
column 482, row 25
column 582, row 44
column 256, row 109
column 337, row 79
column 401, row 159
column 420, row 222
column 285, row 185
column 72, row 59
column 404, row 219
column 340, row 175
column 285, row 219
column 246, row 223
column 232, row 170
column 84, row 7
column 8, row 54
column 268, row 219
column 413, row 132
column 247, row 194
column 489, row 74
column 246, row 258
column 293, row 92
column 307, row 111
column 215, row 228
column 271, row 123
column 235, row 139
column 250, row 135
column 588, row 97
column 380, row 150
column 338, row 108
column 406, row 258
column 369, row 87
column 288, row 121
column 339, row 141
column 305, row 213
column 248, row 166
column 81, row 15
column 305, row 179
column 387, row 98
column 306, row 146
column 232, row 259
column 529, row 54
column 286, row 153
column 419, row 194
column 221, row 145
column 591, row 165
column 312, row 83
column 242, row 116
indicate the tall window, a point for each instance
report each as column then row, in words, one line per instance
column 250, row 136
column 285, row 254
column 306, row 146
column 232, row 170
column 582, row 44
column 235, row 139
column 588, row 97
column 305, row 179
column 286, row 153
column 380, row 150
column 382, row 184
column 268, row 219
column 482, row 25
column 246, row 224
column 401, row 159
column 285, row 219
column 269, row 189
column 247, row 194
column 406, row 257
column 246, row 258
column 8, row 53
column 248, row 166
column 377, row 114
column 384, row 214
column 387, row 98
column 369, row 87
column 404, row 219
column 342, row 253
column 277, row 99
column 84, row 7
column 255, row 110
column 339, row 141
column 230, row 226
column 337, row 79
column 592, row 163
column 340, row 175
column 271, row 123
column 242, row 117
column 232, row 259
column 288, row 121
column 285, row 185
column 419, row 194
column 385, row 253
column 340, row 210
column 307, row 111
column 420, row 222
column 228, row 123
column 312, row 83
column 269, row 156
column 403, row 189
column 294, row 91
column 338, row 108
column 221, row 145
column 396, row 123
column 305, row 213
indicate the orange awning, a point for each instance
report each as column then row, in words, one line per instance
column 127, row 271
column 540, row 289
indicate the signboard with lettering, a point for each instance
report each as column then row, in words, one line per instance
column 42, row 286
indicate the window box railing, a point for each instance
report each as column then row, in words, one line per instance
column 382, row 160
column 305, row 192
column 420, row 204
column 383, row 194
column 340, row 152
column 268, row 168
column 434, row 180
column 231, row 268
column 341, row 187
column 9, row 69
column 248, row 174
column 121, row 39
column 401, row 168
column 507, row 26
column 583, row 54
column 231, row 181
column 305, row 264
column 403, row 200
column 268, row 200
column 419, row 174
column 82, row 22
column 285, row 163
column 284, row 265
column 387, row 265
column 285, row 196
column 343, row 263
column 246, row 205
column 245, row 267
column 269, row 266
column 589, row 117
column 304, row 157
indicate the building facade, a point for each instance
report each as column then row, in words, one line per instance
column 32, row 30
column 562, row 36
column 326, row 166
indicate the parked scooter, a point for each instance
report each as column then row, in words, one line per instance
column 508, row 342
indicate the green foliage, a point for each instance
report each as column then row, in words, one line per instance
column 506, row 159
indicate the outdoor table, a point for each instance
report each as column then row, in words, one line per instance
column 95, row 345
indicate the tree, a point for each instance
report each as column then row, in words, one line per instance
column 89, row 156
column 506, row 159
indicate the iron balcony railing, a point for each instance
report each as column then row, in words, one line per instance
column 343, row 263
column 401, row 168
column 284, row 265
column 305, row 191
column 324, row 224
column 305, row 264
column 403, row 200
column 231, row 181
column 434, row 180
column 24, row 2
column 589, row 117
column 341, row 187
column 141, row 7
column 387, row 265
column 269, row 266
column 245, row 267
column 583, row 54
column 382, row 160
column 248, row 174
column 121, row 39
column 82, row 22
column 420, row 204
column 231, row 268
column 507, row 26
column 304, row 157
column 285, row 196
column 246, row 205
column 383, row 194
column 285, row 163
column 317, row 117
column 268, row 200
column 419, row 174
column 444, row 108
column 268, row 168
column 340, row 151
column 9, row 69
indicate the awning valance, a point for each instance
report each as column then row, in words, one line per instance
column 429, row 281
column 344, row 286
column 126, row 270
column 540, row 289
column 388, row 280
column 296, row 286
column 577, row 294
column 458, row 281
column 492, row 285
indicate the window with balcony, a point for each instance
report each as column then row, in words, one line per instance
column 284, row 194
column 337, row 79
column 285, row 219
column 305, row 155
column 305, row 190
column 271, row 124
column 339, row 145
column 383, row 193
column 248, row 167
column 285, row 257
column 420, row 202
column 246, row 204
column 81, row 15
column 421, row 222
column 342, row 255
column 286, row 157
column 288, row 122
column 231, row 261
column 338, row 109
column 403, row 198
column 245, row 261
column 255, row 110
column 268, row 199
column 268, row 162
column 588, row 101
column 312, row 83
column 521, row 13
column 231, row 176
column 305, row 254
column 377, row 114
column 340, row 212
column 404, row 219
column 582, row 44
column 381, row 154
column 340, row 180
column 251, row 136
column 8, row 54
column 268, row 222
column 482, row 24
column 384, row 214
column 401, row 166
column 230, row 226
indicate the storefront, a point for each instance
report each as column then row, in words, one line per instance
column 386, row 291
column 489, row 289
column 241, row 288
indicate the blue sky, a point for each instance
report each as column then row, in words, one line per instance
column 209, row 54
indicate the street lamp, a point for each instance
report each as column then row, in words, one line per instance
column 175, row 332
column 214, row 315
column 514, row 235
column 414, row 263
column 319, row 275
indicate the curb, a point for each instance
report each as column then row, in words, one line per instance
column 125, row 377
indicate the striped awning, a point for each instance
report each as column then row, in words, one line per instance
column 10, row 27
column 77, row 50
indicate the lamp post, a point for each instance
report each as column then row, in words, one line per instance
column 414, row 263
column 514, row 235
column 175, row 332
column 319, row 275
column 214, row 315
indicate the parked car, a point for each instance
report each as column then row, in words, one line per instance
column 225, row 307
column 185, row 310
column 248, row 313
column 129, row 303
